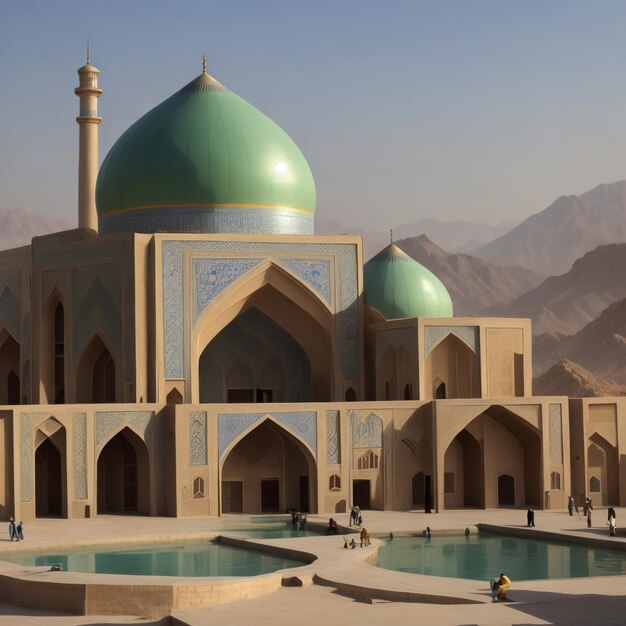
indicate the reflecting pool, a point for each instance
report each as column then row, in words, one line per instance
column 486, row 555
column 197, row 558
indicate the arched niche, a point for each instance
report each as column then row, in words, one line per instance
column 96, row 377
column 463, row 472
column 9, row 369
column 603, row 462
column 254, row 360
column 51, row 469
column 123, row 475
column 453, row 363
column 268, row 470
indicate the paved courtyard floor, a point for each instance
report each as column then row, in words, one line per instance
column 586, row 601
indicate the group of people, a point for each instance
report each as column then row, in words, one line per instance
column 587, row 509
column 355, row 516
column 16, row 531
column 364, row 539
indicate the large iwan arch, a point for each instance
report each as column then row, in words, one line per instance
column 505, row 443
column 290, row 305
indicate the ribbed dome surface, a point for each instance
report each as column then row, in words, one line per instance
column 205, row 160
column 398, row 286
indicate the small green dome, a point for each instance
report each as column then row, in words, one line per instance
column 398, row 286
column 205, row 160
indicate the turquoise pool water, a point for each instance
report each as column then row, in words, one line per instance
column 276, row 533
column 200, row 558
column 485, row 556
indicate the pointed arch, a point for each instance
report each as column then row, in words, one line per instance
column 286, row 301
column 51, row 469
column 96, row 374
column 390, row 372
column 9, row 369
column 456, row 365
column 53, row 348
column 267, row 468
column 123, row 474
column 603, row 462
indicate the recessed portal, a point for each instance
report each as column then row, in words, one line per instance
column 48, row 480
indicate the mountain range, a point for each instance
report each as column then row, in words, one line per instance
column 550, row 241
column 18, row 227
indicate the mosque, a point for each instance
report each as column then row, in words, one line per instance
column 193, row 348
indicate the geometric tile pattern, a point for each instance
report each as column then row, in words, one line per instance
column 301, row 423
column 314, row 272
column 433, row 335
column 345, row 306
column 367, row 433
column 80, row 456
column 333, row 450
column 556, row 435
column 109, row 422
column 212, row 276
column 198, row 438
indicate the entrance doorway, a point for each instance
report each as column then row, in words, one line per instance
column 232, row 496
column 270, row 495
column 361, row 493
column 48, row 481
column 123, row 475
column 506, row 490
column 304, row 494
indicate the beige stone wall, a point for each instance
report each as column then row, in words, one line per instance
column 598, row 439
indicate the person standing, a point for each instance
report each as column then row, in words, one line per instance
column 19, row 531
column 611, row 521
column 12, row 529
column 530, row 517
column 570, row 505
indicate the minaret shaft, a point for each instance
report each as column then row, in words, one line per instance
column 88, row 121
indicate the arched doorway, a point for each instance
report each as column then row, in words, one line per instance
column 506, row 490
column 269, row 470
column 124, row 475
column 463, row 472
column 9, row 369
column 48, row 480
column 96, row 376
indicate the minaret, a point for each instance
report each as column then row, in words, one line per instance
column 88, row 121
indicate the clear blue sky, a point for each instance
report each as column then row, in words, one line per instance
column 466, row 109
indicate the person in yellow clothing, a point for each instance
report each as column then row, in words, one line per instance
column 499, row 587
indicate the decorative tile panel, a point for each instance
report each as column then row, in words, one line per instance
column 111, row 422
column 80, row 456
column 333, row 447
column 301, row 423
column 366, row 433
column 212, row 276
column 27, row 455
column 556, row 435
column 346, row 309
column 433, row 335
column 314, row 272
column 198, row 454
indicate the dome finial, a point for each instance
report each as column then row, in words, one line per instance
column 391, row 235
column 88, row 54
column 204, row 63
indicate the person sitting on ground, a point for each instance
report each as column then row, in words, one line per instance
column 332, row 527
column 499, row 587
column 365, row 538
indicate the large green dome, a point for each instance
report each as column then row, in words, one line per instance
column 205, row 160
column 398, row 286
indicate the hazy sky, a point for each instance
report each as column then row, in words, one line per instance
column 404, row 109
